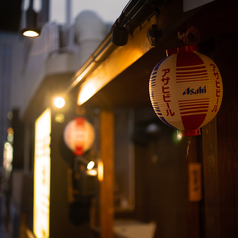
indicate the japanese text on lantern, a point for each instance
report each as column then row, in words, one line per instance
column 166, row 91
column 218, row 86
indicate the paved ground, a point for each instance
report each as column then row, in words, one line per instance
column 3, row 234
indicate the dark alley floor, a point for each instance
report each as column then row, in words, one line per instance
column 3, row 233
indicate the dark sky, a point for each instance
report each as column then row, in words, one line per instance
column 10, row 15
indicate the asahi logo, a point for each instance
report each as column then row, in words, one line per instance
column 191, row 91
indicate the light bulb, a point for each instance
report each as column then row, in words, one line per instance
column 30, row 33
column 90, row 165
column 59, row 102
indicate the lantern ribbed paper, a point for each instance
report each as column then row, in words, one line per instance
column 186, row 89
column 79, row 135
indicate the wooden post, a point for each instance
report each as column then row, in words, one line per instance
column 194, row 188
column 227, row 136
column 210, row 176
column 220, row 158
column 107, row 183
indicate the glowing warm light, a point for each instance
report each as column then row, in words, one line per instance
column 92, row 172
column 10, row 134
column 100, row 171
column 90, row 165
column 42, row 161
column 87, row 91
column 30, row 33
column 7, row 146
column 179, row 135
column 59, row 102
column 7, row 156
column 79, row 135
column 97, row 81
column 10, row 131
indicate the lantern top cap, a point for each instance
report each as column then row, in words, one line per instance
column 181, row 49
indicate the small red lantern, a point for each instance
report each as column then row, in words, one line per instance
column 79, row 135
column 186, row 89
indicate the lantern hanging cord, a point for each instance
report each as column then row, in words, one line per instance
column 188, row 146
column 191, row 36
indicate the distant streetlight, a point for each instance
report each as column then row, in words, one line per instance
column 59, row 102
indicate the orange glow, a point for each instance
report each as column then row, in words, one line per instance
column 117, row 62
column 10, row 131
column 107, row 72
column 179, row 135
column 100, row 171
column 88, row 90
column 92, row 172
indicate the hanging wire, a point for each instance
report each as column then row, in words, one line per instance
column 191, row 36
column 188, row 146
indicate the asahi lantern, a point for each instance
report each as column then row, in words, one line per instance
column 186, row 89
column 79, row 135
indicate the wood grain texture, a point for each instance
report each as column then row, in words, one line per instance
column 211, row 178
column 227, row 134
column 107, row 184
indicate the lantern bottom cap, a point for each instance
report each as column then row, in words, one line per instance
column 194, row 132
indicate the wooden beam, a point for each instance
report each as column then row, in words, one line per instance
column 107, row 183
column 118, row 61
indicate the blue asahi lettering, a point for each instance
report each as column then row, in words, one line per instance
column 191, row 91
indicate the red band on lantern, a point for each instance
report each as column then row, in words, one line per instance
column 80, row 127
column 78, row 150
column 79, row 135
column 79, row 121
column 182, row 49
column 195, row 132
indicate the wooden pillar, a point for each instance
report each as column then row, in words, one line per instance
column 210, row 176
column 227, row 136
column 107, row 183
column 220, row 157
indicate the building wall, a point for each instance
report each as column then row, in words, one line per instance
column 58, row 50
column 9, row 70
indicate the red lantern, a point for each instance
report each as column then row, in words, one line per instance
column 186, row 89
column 79, row 135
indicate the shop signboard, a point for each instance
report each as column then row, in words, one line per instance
column 42, row 166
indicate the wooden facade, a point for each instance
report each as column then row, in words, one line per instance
column 161, row 165
column 158, row 173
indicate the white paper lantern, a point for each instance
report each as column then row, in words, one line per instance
column 186, row 89
column 79, row 135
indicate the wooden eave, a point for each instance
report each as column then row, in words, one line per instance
column 123, row 80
